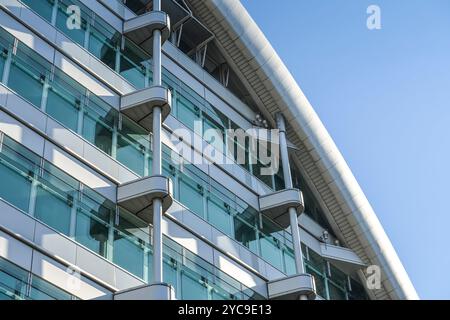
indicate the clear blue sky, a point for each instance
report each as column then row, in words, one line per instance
column 384, row 96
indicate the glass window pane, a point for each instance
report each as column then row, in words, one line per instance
column 15, row 187
column 26, row 81
column 43, row 290
column 192, row 287
column 103, row 43
column 92, row 233
column 191, row 195
column 43, row 8
column 130, row 155
column 335, row 292
column 66, row 23
column 170, row 272
column 188, row 113
column 319, row 280
column 3, row 56
column 128, row 248
column 245, row 234
column 12, row 281
column 63, row 102
column 52, row 209
column 218, row 214
column 270, row 251
column 98, row 124
column 132, row 65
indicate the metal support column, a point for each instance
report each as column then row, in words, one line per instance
column 157, row 157
column 288, row 185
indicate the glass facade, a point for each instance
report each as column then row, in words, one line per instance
column 74, row 210
column 17, row 283
column 134, row 64
column 66, row 205
column 99, row 123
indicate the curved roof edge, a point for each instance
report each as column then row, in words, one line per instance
column 257, row 55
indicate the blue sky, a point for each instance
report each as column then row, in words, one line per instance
column 384, row 96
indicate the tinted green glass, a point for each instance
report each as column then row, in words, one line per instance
column 103, row 43
column 271, row 252
column 3, row 56
column 188, row 113
column 92, row 233
column 128, row 248
column 52, row 209
column 43, row 8
column 98, row 124
column 245, row 234
column 43, row 290
column 63, row 104
column 12, row 281
column 68, row 25
column 191, row 195
column 13, row 180
column 26, row 82
column 130, row 155
column 336, row 293
column 319, row 280
column 219, row 215
column 132, row 65
column 192, row 287
column 97, row 133
column 289, row 262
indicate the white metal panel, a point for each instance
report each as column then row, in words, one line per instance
column 15, row 251
column 23, row 34
column 21, row 133
column 187, row 240
column 16, row 220
column 236, row 271
column 55, row 243
column 225, row 243
column 100, row 160
column 125, row 280
column 93, row 264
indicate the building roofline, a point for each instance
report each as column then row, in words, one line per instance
column 260, row 66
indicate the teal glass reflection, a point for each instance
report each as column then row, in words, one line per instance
column 44, row 8
column 12, row 181
column 53, row 209
column 219, row 214
column 63, row 101
column 191, row 195
column 26, row 79
column 192, row 286
column 91, row 232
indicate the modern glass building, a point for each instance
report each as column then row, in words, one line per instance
column 97, row 201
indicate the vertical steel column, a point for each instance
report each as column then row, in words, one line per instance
column 288, row 185
column 157, row 156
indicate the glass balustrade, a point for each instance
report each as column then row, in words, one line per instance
column 17, row 283
column 134, row 64
column 79, row 110
column 66, row 205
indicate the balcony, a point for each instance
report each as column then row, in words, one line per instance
column 137, row 196
column 276, row 205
